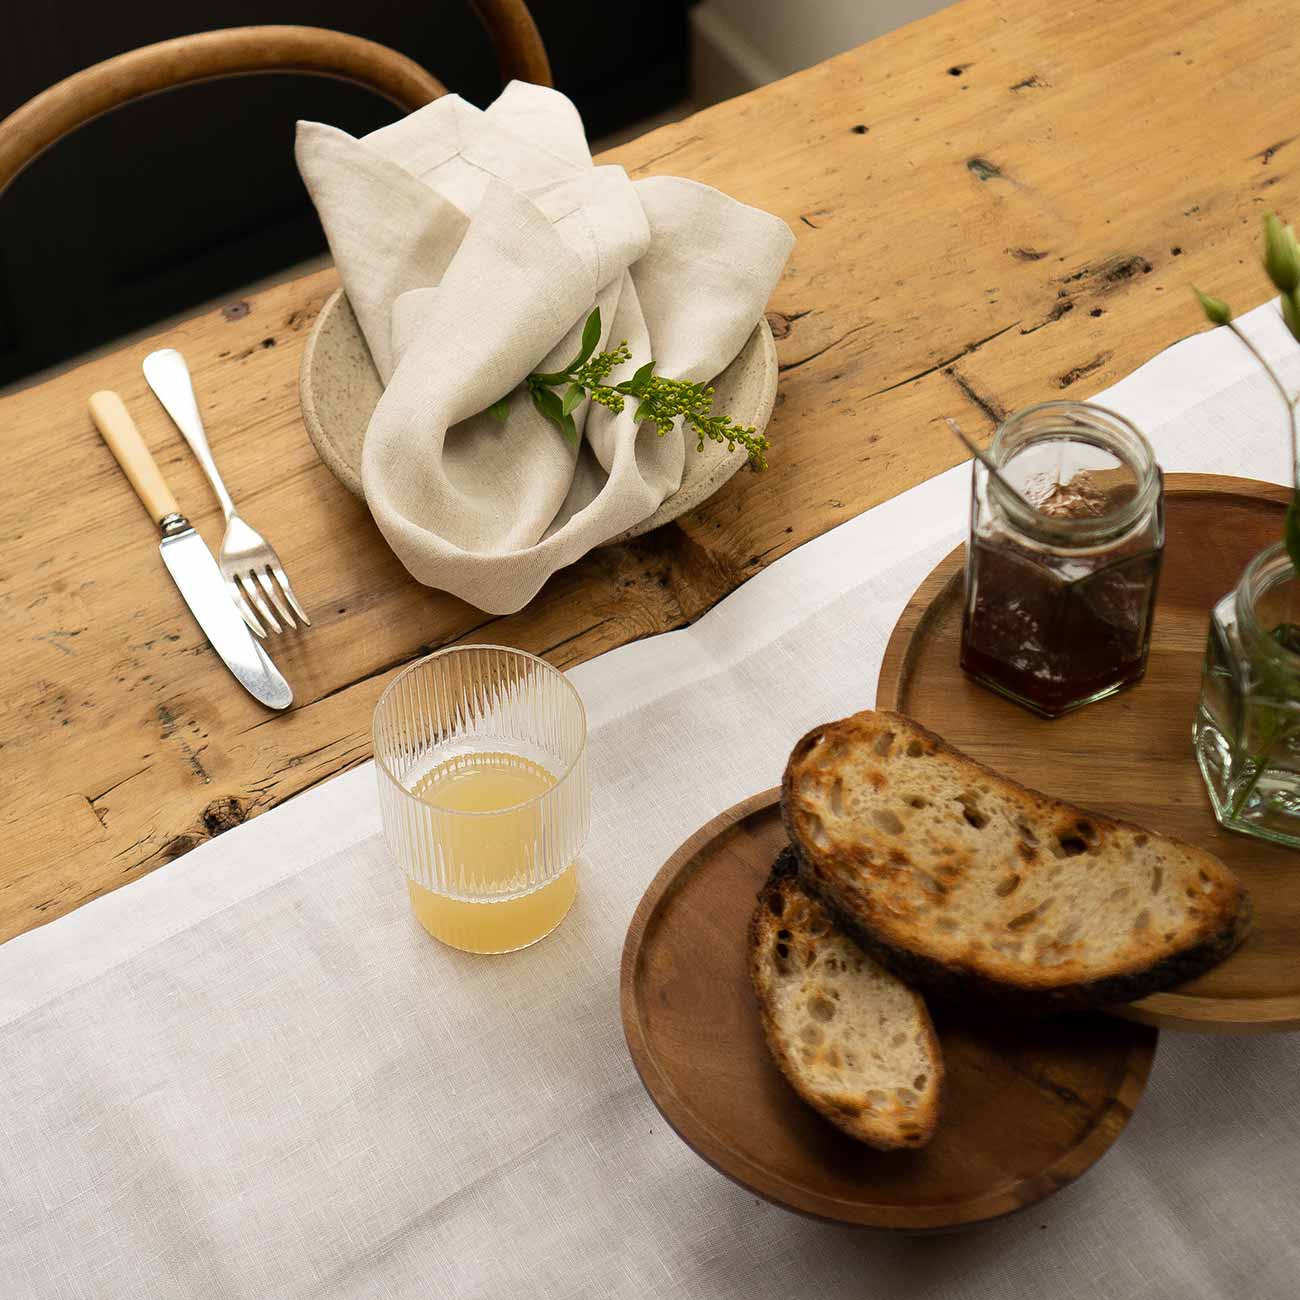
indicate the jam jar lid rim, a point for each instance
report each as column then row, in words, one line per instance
column 1092, row 528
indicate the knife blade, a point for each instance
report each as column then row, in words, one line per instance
column 188, row 559
column 195, row 573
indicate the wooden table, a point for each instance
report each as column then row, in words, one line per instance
column 1003, row 203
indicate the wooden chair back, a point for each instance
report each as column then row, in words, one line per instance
column 239, row 51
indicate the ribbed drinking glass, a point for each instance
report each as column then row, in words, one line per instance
column 481, row 759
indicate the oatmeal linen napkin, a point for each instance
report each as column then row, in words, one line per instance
column 472, row 245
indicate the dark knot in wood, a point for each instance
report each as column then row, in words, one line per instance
column 223, row 814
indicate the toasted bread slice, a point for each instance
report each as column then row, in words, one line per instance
column 855, row 1042
column 966, row 882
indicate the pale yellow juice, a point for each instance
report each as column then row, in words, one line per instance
column 496, row 849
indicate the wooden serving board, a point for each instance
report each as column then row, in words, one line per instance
column 694, row 1033
column 1131, row 755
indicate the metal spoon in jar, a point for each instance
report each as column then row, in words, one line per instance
column 987, row 461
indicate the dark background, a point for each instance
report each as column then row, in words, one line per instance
column 180, row 198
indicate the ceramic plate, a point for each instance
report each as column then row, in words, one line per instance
column 340, row 387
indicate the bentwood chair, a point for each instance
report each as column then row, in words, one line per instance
column 157, row 210
column 239, row 51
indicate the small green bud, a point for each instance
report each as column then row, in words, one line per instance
column 1217, row 312
column 1291, row 314
column 1281, row 254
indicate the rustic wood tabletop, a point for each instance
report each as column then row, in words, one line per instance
column 1000, row 204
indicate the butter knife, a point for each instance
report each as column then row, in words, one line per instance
column 188, row 559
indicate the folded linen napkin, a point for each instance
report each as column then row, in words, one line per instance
column 472, row 245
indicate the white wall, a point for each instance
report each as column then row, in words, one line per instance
column 766, row 39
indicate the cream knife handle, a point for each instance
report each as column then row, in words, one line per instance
column 117, row 428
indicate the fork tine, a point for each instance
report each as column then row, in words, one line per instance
column 288, row 591
column 273, row 594
column 255, row 597
column 245, row 610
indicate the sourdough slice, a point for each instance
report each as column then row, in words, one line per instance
column 966, row 882
column 854, row 1042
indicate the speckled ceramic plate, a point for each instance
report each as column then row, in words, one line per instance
column 340, row 387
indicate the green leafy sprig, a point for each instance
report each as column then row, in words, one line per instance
column 660, row 401
column 1282, row 266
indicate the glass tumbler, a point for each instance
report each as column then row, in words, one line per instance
column 480, row 753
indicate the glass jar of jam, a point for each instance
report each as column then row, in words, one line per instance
column 1061, row 573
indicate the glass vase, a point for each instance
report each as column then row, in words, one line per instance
column 1247, row 729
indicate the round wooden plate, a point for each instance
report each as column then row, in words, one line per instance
column 1026, row 1109
column 339, row 388
column 1131, row 755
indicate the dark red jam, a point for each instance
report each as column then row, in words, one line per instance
column 1052, row 641
column 1054, row 623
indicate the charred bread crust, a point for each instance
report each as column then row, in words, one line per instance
column 953, row 982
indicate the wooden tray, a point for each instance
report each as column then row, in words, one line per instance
column 1131, row 755
column 1025, row 1110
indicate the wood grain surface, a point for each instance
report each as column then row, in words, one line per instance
column 694, row 1033
column 999, row 204
column 1131, row 755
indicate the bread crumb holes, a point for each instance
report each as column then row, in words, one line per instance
column 821, row 1009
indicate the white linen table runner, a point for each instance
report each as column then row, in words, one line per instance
column 251, row 1074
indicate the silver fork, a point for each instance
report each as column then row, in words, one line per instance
column 247, row 560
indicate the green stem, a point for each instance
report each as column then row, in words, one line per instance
column 549, row 381
column 1240, row 801
column 1287, row 400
